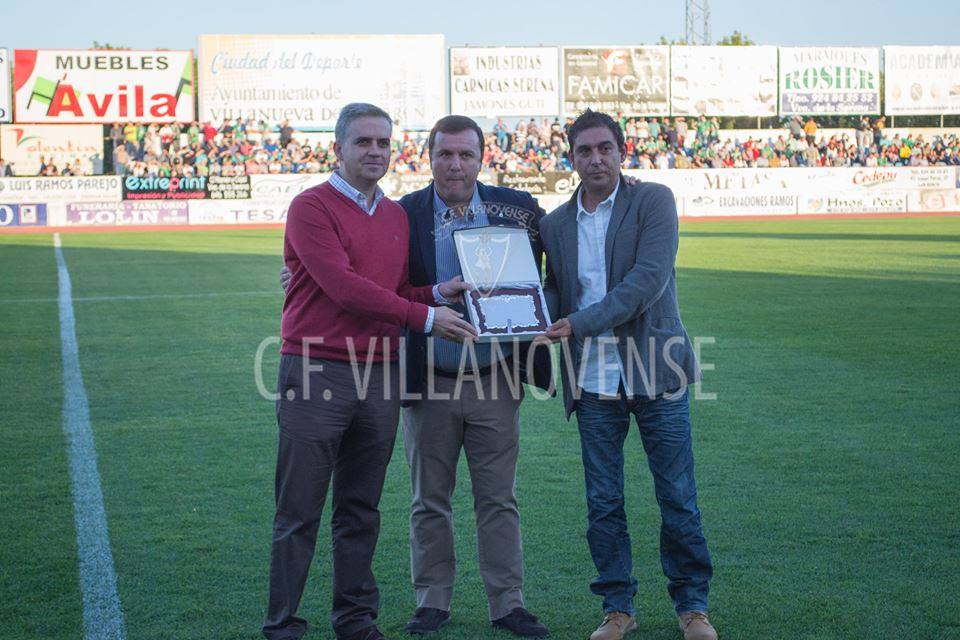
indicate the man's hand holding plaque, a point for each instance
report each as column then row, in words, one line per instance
column 452, row 288
column 559, row 330
column 448, row 323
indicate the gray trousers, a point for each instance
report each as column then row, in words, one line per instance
column 333, row 434
column 434, row 432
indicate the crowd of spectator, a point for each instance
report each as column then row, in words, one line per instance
column 681, row 143
column 48, row 167
column 234, row 148
column 249, row 147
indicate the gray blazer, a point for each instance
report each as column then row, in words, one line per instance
column 641, row 301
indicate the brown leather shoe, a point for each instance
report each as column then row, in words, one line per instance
column 614, row 626
column 696, row 626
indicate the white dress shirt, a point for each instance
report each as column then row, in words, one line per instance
column 601, row 369
column 358, row 197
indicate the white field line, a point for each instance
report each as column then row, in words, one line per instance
column 102, row 616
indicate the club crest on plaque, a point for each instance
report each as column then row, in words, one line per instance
column 488, row 257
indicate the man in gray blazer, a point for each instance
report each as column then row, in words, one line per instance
column 611, row 281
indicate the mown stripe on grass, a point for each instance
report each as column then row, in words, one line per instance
column 102, row 616
column 158, row 296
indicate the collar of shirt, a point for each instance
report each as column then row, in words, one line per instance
column 604, row 206
column 440, row 207
column 357, row 197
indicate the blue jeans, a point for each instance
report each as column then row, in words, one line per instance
column 665, row 431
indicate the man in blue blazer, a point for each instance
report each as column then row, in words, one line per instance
column 469, row 398
column 611, row 286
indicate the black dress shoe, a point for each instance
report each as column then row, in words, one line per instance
column 427, row 620
column 521, row 622
column 370, row 633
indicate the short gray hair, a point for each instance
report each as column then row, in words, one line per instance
column 356, row 110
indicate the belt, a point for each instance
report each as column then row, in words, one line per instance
column 482, row 371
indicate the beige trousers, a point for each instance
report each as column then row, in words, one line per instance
column 487, row 429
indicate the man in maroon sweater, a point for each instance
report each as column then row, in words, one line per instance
column 346, row 246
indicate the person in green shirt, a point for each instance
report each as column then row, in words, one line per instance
column 703, row 129
column 654, row 127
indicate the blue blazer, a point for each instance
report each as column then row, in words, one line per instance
column 423, row 271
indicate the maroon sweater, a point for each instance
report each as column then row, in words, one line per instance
column 349, row 278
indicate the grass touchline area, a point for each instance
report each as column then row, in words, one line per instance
column 827, row 466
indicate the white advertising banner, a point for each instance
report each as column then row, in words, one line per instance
column 740, row 203
column 829, row 80
column 853, row 202
column 549, row 202
column 238, row 211
column 307, row 79
column 882, row 178
column 921, row 80
column 802, row 180
column 61, row 189
column 73, row 86
column 840, row 190
column 283, row 186
column 62, row 145
column 935, row 201
column 627, row 80
column 694, row 181
column 723, row 81
column 6, row 110
column 126, row 213
column 505, row 81
column 397, row 185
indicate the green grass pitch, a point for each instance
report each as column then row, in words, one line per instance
column 828, row 466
